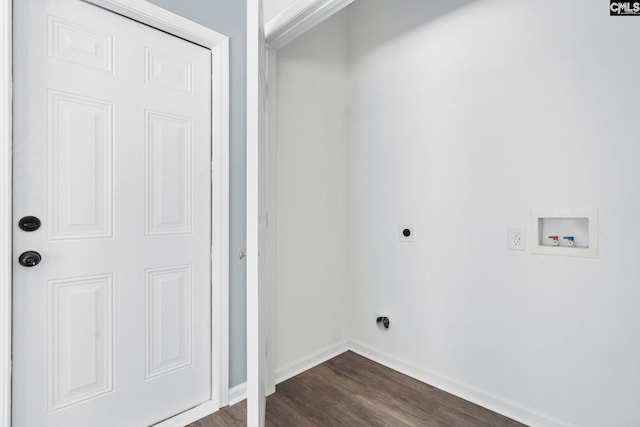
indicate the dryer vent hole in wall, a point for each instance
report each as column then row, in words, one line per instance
column 383, row 322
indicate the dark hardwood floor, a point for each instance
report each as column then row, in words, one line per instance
column 350, row 390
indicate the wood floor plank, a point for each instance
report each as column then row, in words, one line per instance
column 350, row 390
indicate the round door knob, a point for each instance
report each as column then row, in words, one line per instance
column 30, row 259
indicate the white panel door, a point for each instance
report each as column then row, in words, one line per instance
column 112, row 152
column 256, row 216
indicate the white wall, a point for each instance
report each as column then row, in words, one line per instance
column 311, row 173
column 271, row 8
column 462, row 117
column 466, row 115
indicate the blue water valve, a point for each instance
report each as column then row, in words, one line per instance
column 569, row 239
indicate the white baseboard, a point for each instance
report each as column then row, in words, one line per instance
column 472, row 394
column 297, row 367
column 194, row 414
column 237, row 393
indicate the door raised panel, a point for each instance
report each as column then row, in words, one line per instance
column 169, row 317
column 80, row 172
column 169, row 71
column 80, row 340
column 80, row 45
column 114, row 327
column 169, row 174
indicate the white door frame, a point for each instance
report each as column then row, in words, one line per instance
column 218, row 44
column 281, row 30
column 299, row 18
column 261, row 304
column 256, row 305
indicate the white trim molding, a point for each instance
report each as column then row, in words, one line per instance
column 161, row 19
column 256, row 302
column 298, row 18
column 220, row 218
column 272, row 223
column 6, row 187
column 470, row 393
column 190, row 416
column 297, row 367
column 237, row 394
column 480, row 397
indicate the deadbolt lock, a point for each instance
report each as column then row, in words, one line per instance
column 29, row 223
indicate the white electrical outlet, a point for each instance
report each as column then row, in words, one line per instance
column 515, row 239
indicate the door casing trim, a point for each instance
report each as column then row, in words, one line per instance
column 6, row 187
column 218, row 44
column 299, row 18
